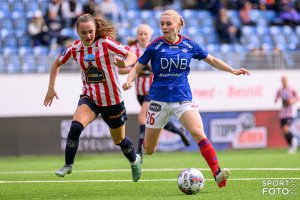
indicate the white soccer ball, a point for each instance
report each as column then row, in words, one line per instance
column 190, row 181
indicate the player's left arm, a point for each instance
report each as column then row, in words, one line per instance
column 130, row 59
column 294, row 99
column 219, row 64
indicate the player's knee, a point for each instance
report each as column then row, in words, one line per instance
column 149, row 150
column 198, row 134
column 286, row 129
column 75, row 130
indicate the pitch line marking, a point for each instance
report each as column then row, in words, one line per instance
column 146, row 180
column 151, row 170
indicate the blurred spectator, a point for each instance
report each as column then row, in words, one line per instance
column 91, row 7
column 228, row 33
column 71, row 10
column 231, row 4
column 297, row 5
column 245, row 14
column 268, row 4
column 156, row 4
column 38, row 30
column 110, row 11
column 288, row 13
column 255, row 4
column 189, row 4
column 212, row 5
column 55, row 21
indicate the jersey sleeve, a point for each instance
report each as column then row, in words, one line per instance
column 116, row 47
column 146, row 57
column 199, row 52
column 65, row 55
column 295, row 95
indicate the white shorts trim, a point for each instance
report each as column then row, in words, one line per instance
column 159, row 113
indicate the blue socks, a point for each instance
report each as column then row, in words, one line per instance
column 141, row 139
column 170, row 126
column 128, row 149
column 73, row 142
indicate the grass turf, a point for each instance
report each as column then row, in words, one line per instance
column 108, row 176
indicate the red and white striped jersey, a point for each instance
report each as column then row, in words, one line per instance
column 287, row 110
column 145, row 78
column 106, row 90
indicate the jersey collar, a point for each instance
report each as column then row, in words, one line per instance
column 168, row 42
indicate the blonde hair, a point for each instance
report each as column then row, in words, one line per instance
column 144, row 26
column 139, row 28
column 103, row 28
column 175, row 15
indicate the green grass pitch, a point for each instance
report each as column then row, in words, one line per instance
column 255, row 174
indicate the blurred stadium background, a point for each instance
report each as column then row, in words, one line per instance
column 230, row 105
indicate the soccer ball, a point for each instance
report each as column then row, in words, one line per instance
column 190, row 181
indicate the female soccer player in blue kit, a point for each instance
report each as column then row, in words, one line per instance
column 170, row 92
column 142, row 85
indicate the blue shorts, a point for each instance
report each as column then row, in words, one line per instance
column 286, row 121
column 142, row 98
column 115, row 115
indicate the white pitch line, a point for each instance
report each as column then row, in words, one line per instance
column 145, row 180
column 151, row 170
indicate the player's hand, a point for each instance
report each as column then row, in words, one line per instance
column 119, row 62
column 241, row 71
column 49, row 97
column 127, row 86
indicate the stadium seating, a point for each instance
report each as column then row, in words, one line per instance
column 15, row 14
column 2, row 65
column 13, row 63
column 28, row 64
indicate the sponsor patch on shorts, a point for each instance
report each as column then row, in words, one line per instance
column 155, row 107
column 183, row 102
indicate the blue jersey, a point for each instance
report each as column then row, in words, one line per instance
column 171, row 66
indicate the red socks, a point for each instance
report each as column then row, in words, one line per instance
column 209, row 154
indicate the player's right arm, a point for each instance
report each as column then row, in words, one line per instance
column 132, row 75
column 51, row 93
column 60, row 60
column 277, row 96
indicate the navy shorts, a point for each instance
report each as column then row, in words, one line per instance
column 142, row 98
column 286, row 121
column 115, row 115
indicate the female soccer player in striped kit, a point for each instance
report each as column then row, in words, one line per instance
column 289, row 98
column 98, row 55
column 170, row 92
column 143, row 83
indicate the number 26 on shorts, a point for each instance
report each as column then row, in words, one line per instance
column 150, row 118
